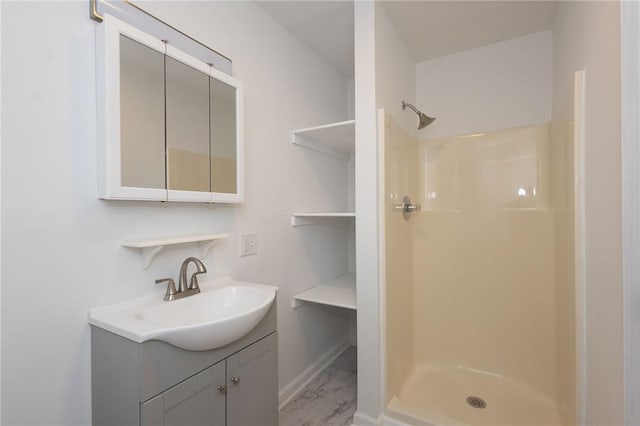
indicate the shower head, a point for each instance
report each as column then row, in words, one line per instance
column 424, row 119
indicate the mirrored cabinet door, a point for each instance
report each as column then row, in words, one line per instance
column 142, row 154
column 130, row 122
column 223, row 122
column 227, row 138
column 187, row 130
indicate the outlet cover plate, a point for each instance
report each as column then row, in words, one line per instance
column 248, row 244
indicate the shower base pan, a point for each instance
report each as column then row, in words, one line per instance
column 454, row 395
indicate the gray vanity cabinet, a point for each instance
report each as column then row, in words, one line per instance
column 249, row 389
column 252, row 383
column 194, row 402
column 156, row 384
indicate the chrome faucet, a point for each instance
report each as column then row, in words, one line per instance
column 183, row 290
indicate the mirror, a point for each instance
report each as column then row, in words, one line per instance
column 223, row 124
column 187, row 128
column 171, row 127
column 141, row 115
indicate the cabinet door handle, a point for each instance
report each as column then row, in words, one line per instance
column 221, row 388
column 235, row 380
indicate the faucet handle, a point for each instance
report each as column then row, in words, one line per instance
column 193, row 283
column 171, row 287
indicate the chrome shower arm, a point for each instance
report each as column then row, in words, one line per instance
column 423, row 119
column 411, row 107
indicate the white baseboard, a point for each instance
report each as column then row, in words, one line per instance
column 294, row 387
column 392, row 421
column 361, row 419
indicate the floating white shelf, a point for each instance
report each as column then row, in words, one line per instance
column 336, row 139
column 149, row 247
column 299, row 219
column 340, row 292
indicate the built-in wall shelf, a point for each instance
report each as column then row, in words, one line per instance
column 299, row 219
column 336, row 139
column 340, row 292
column 150, row 247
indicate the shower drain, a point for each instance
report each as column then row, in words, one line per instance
column 476, row 402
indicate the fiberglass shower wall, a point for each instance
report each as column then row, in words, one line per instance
column 484, row 256
column 481, row 278
column 400, row 178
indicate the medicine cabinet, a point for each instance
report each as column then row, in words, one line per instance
column 170, row 127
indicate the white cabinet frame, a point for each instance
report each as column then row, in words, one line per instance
column 108, row 118
column 108, row 109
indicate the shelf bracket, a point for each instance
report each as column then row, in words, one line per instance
column 205, row 247
column 147, row 254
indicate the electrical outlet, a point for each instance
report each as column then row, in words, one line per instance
column 248, row 244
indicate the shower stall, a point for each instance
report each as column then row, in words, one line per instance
column 480, row 304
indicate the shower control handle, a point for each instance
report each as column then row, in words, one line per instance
column 412, row 207
column 407, row 207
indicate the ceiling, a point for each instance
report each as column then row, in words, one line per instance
column 430, row 29
column 325, row 26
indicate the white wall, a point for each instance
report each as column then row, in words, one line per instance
column 586, row 35
column 384, row 76
column 351, row 99
column 395, row 72
column 0, row 213
column 630, row 88
column 500, row 86
column 369, row 386
column 60, row 244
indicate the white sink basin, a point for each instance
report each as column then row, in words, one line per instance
column 223, row 312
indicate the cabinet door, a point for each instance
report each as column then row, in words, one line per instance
column 130, row 83
column 187, row 129
column 194, row 402
column 252, row 383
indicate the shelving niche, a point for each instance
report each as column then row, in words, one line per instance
column 340, row 292
column 337, row 140
column 300, row 219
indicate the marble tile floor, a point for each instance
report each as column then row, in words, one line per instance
column 330, row 399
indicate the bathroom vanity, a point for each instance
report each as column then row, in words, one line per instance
column 156, row 383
